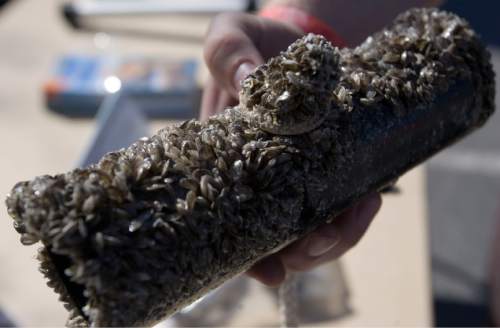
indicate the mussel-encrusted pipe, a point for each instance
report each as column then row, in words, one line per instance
column 153, row 227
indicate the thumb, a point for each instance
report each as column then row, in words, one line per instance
column 229, row 50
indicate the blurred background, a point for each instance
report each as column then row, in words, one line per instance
column 75, row 83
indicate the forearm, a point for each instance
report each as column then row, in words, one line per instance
column 355, row 20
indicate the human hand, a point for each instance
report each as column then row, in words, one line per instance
column 235, row 45
column 328, row 242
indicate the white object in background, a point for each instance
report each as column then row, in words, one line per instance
column 145, row 7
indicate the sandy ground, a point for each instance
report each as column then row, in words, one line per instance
column 387, row 274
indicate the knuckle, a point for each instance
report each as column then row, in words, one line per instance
column 220, row 50
column 229, row 18
column 222, row 40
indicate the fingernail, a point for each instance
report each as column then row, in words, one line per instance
column 327, row 238
column 241, row 73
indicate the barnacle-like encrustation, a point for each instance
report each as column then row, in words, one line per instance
column 152, row 227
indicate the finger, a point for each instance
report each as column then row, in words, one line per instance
column 354, row 227
column 269, row 271
column 225, row 100
column 236, row 43
column 214, row 100
column 303, row 254
column 209, row 99
column 331, row 240
column 229, row 51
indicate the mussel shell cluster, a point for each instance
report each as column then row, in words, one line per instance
column 152, row 227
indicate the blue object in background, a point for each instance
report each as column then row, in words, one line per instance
column 162, row 88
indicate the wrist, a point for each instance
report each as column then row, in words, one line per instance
column 322, row 9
